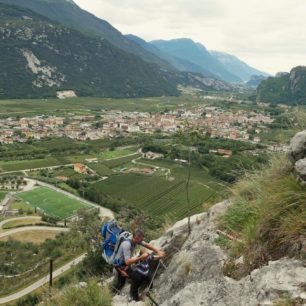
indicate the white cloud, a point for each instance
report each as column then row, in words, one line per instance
column 270, row 35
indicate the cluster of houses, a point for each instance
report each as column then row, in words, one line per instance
column 212, row 121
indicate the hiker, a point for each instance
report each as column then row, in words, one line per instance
column 140, row 275
column 124, row 260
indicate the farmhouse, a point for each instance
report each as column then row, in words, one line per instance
column 80, row 168
column 152, row 155
column 225, row 153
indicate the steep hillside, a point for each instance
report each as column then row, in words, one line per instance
column 236, row 66
column 196, row 54
column 67, row 13
column 289, row 88
column 250, row 250
column 39, row 57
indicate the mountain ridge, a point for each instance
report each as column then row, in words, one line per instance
column 186, row 49
column 40, row 57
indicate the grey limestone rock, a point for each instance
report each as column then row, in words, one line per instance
column 194, row 275
column 297, row 149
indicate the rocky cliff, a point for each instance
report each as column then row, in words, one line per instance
column 194, row 274
column 287, row 88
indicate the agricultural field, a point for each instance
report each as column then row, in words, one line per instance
column 115, row 154
column 89, row 105
column 101, row 169
column 18, row 165
column 52, row 202
column 160, row 196
column 113, row 163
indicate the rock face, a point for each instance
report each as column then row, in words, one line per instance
column 288, row 88
column 297, row 154
column 194, row 274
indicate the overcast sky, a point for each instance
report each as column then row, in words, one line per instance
column 268, row 34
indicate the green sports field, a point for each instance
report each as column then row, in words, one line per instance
column 52, row 202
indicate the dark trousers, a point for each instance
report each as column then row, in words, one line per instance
column 137, row 280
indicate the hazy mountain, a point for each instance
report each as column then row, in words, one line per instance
column 179, row 63
column 39, row 57
column 67, row 13
column 287, row 88
column 255, row 80
column 187, row 50
column 236, row 66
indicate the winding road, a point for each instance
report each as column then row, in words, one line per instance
column 33, row 228
column 41, row 282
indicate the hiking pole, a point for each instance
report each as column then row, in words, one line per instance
column 151, row 299
column 151, row 282
column 163, row 264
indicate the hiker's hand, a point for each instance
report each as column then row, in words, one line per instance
column 144, row 256
column 161, row 254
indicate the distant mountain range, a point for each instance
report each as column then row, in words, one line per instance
column 236, row 66
column 289, row 88
column 125, row 66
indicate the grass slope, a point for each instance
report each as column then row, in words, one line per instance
column 268, row 215
column 2, row 195
column 52, row 202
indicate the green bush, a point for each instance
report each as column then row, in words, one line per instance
column 92, row 295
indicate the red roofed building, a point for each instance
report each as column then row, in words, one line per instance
column 80, row 168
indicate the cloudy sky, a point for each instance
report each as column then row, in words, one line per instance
column 269, row 35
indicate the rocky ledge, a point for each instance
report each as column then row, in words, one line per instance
column 194, row 275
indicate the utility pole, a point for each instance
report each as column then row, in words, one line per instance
column 187, row 193
column 51, row 274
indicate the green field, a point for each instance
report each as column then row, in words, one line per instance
column 88, row 105
column 115, row 154
column 52, row 202
column 2, row 195
column 113, row 163
column 101, row 169
column 29, row 164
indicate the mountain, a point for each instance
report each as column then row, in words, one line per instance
column 67, row 13
column 289, row 88
column 187, row 50
column 179, row 63
column 39, row 57
column 255, row 80
column 236, row 66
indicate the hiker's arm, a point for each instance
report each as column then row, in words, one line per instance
column 136, row 259
column 153, row 249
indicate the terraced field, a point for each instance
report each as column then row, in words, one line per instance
column 52, row 202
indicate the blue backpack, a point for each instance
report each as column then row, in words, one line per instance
column 113, row 235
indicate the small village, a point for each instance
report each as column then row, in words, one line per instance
column 212, row 121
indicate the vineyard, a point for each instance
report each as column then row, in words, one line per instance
column 156, row 195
